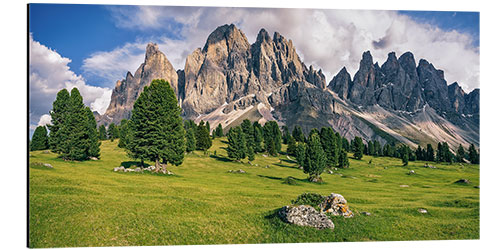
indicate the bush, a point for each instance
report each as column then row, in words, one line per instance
column 311, row 199
column 290, row 181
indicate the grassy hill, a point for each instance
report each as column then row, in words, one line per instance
column 87, row 204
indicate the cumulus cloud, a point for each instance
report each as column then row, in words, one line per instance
column 48, row 73
column 327, row 39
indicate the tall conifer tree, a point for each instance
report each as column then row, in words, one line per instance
column 58, row 117
column 156, row 126
column 39, row 140
column 315, row 161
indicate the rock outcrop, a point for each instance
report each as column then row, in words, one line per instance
column 229, row 79
column 304, row 215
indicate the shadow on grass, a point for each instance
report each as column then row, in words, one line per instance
column 284, row 166
column 128, row 164
column 220, row 158
column 224, row 141
column 289, row 161
column 287, row 180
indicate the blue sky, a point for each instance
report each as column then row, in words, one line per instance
column 93, row 46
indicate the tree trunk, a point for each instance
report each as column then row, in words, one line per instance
column 157, row 165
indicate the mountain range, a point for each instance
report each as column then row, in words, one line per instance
column 229, row 80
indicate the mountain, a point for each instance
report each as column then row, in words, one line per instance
column 229, row 80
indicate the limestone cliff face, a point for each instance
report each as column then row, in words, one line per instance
column 126, row 91
column 229, row 79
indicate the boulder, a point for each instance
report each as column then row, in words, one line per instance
column 422, row 210
column 404, row 186
column 366, row 213
column 138, row 170
column 411, row 172
column 239, row 171
column 304, row 215
column 93, row 159
column 47, row 165
column 336, row 205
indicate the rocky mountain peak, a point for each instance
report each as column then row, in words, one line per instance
column 228, row 34
column 263, row 36
column 151, row 50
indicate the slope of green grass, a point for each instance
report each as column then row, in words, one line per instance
column 87, row 204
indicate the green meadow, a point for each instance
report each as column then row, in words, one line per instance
column 79, row 204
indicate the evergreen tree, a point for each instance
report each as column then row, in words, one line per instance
column 58, row 116
column 473, row 154
column 250, row 153
column 377, row 148
column 113, row 132
column 440, row 153
column 404, row 154
column 371, row 148
column 190, row 140
column 157, row 131
column 298, row 134
column 236, row 149
column 190, row 124
column 292, row 145
column 358, row 147
column 419, row 153
column 75, row 130
column 343, row 159
column 258, row 137
column 315, row 161
column 429, row 153
column 218, row 131
column 345, row 144
column 329, row 143
column 207, row 124
column 39, row 140
column 203, row 141
column 313, row 131
column 300, row 153
column 272, row 137
column 286, row 134
column 248, row 130
column 124, row 133
column 93, row 136
column 103, row 133
column 460, row 153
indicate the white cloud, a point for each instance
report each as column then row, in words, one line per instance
column 327, row 39
column 48, row 73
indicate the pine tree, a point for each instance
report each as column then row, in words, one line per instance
column 113, row 132
column 460, row 153
column 292, row 146
column 58, row 118
column 124, row 133
column 343, row 159
column 218, row 131
column 236, row 149
column 429, row 153
column 300, row 154
column 207, row 124
column 345, row 144
column 286, row 134
column 248, row 130
column 448, row 155
column 298, row 134
column 329, row 144
column 313, row 131
column 250, row 153
column 203, row 141
column 93, row 136
column 190, row 140
column 258, row 137
column 419, row 153
column 39, row 140
column 272, row 137
column 377, row 148
column 315, row 161
column 473, row 154
column 103, row 133
column 75, row 130
column 371, row 148
column 156, row 126
column 358, row 148
column 404, row 154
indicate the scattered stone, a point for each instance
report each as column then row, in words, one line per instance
column 330, row 171
column 47, row 165
column 411, row 172
column 316, row 179
column 301, row 167
column 93, row 159
column 267, row 166
column 463, row 181
column 239, row 171
column 256, row 165
column 264, row 155
column 45, row 152
column 385, row 167
column 422, row 211
column 429, row 166
column 128, row 170
column 339, row 174
column 366, row 213
column 404, row 186
column 249, row 162
column 305, row 215
column 335, row 169
column 138, row 170
column 336, row 205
